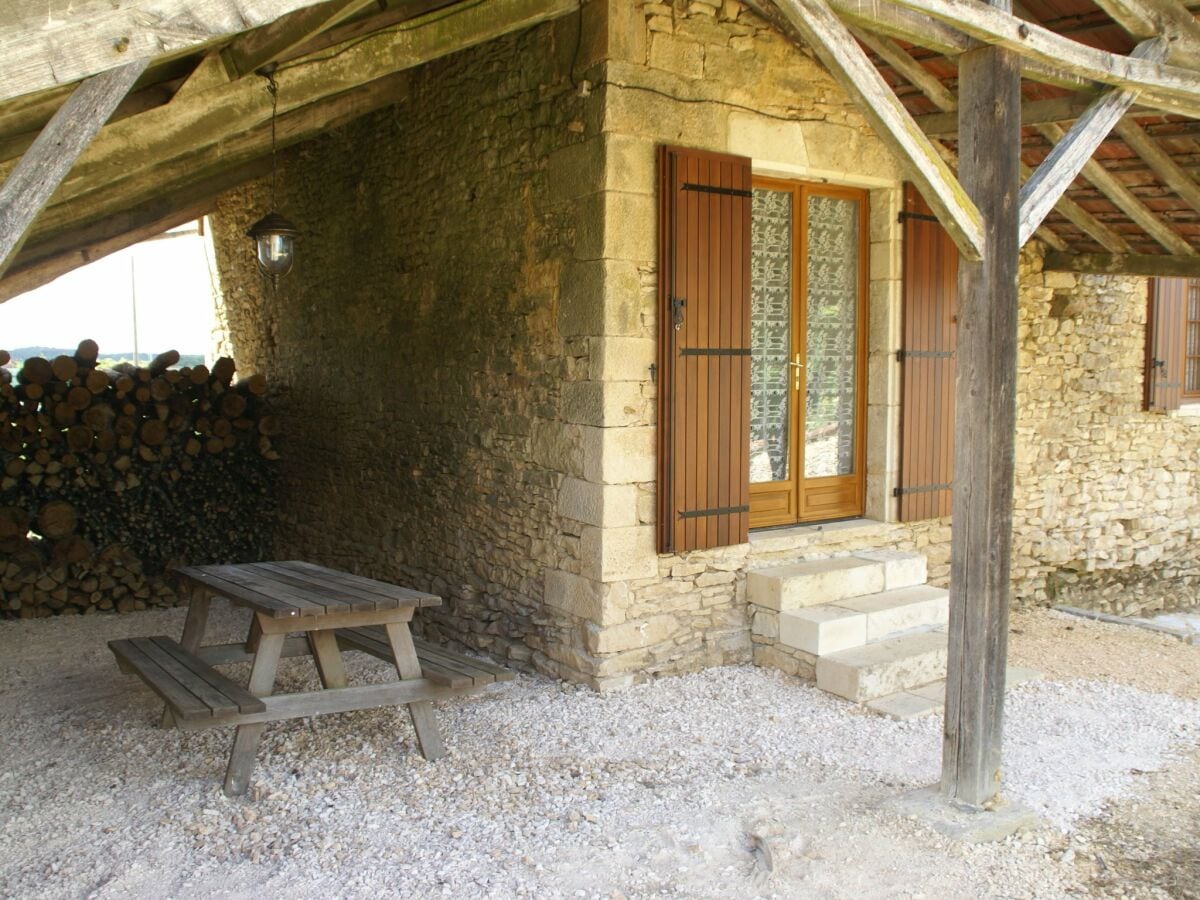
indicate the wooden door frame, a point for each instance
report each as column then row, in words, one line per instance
column 836, row 496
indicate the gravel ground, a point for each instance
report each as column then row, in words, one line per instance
column 685, row 787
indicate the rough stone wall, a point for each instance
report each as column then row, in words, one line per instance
column 419, row 340
column 714, row 76
column 1107, row 501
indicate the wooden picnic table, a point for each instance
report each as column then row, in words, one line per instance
column 298, row 609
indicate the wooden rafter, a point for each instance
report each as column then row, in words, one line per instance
column 1161, row 86
column 175, row 206
column 86, row 37
column 1147, row 18
column 1086, row 222
column 38, row 174
column 908, row 69
column 255, row 49
column 1124, row 199
column 1124, row 264
column 1069, row 156
column 1033, row 112
column 205, row 118
column 1159, row 162
column 893, row 124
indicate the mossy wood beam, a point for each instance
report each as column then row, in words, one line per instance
column 86, row 37
column 1071, row 154
column 1124, row 264
column 1145, row 18
column 892, row 123
column 60, row 222
column 1034, row 112
column 207, row 118
column 42, row 263
column 30, row 184
column 1160, row 86
column 270, row 43
column 908, row 68
column 926, row 31
column 1124, row 199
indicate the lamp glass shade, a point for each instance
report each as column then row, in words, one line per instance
column 275, row 238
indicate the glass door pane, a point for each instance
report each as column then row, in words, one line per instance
column 771, row 334
column 831, row 365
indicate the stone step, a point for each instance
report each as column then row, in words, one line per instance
column 884, row 667
column 830, row 628
column 828, row 581
column 931, row 698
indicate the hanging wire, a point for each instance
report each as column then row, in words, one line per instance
column 273, row 90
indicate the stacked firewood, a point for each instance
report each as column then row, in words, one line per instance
column 110, row 477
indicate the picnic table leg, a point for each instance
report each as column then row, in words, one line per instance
column 254, row 635
column 193, row 633
column 328, row 658
column 245, row 742
column 408, row 666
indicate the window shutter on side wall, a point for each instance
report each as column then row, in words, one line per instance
column 927, row 364
column 704, row 350
column 1166, row 325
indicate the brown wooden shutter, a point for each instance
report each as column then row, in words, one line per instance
column 927, row 361
column 1166, row 327
column 704, row 350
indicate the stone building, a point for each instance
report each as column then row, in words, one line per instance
column 506, row 380
column 469, row 347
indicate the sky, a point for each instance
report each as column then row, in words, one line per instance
column 174, row 301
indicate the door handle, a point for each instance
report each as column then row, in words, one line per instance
column 796, row 366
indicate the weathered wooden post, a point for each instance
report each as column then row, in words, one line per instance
column 989, row 117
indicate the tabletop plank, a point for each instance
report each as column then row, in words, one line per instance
column 243, row 596
column 309, row 602
column 355, row 597
column 408, row 596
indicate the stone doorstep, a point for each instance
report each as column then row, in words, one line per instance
column 830, row 628
column 903, row 609
column 931, row 698
column 830, row 580
column 884, row 667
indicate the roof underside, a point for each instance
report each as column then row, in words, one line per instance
column 197, row 122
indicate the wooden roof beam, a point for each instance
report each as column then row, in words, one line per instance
column 90, row 36
column 46, row 163
column 46, row 261
column 892, row 123
column 1146, row 18
column 1069, row 156
column 1160, row 86
column 1106, row 237
column 271, row 43
column 1124, row 264
column 1159, row 162
column 204, row 118
column 909, row 69
column 1121, row 196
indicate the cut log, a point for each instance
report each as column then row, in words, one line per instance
column 64, row 367
column 57, row 519
column 35, row 371
column 87, row 353
column 222, row 370
column 163, row 361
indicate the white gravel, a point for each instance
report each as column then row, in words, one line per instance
column 549, row 790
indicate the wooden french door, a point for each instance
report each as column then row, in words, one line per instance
column 808, row 352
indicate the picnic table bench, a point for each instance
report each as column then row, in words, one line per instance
column 298, row 609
